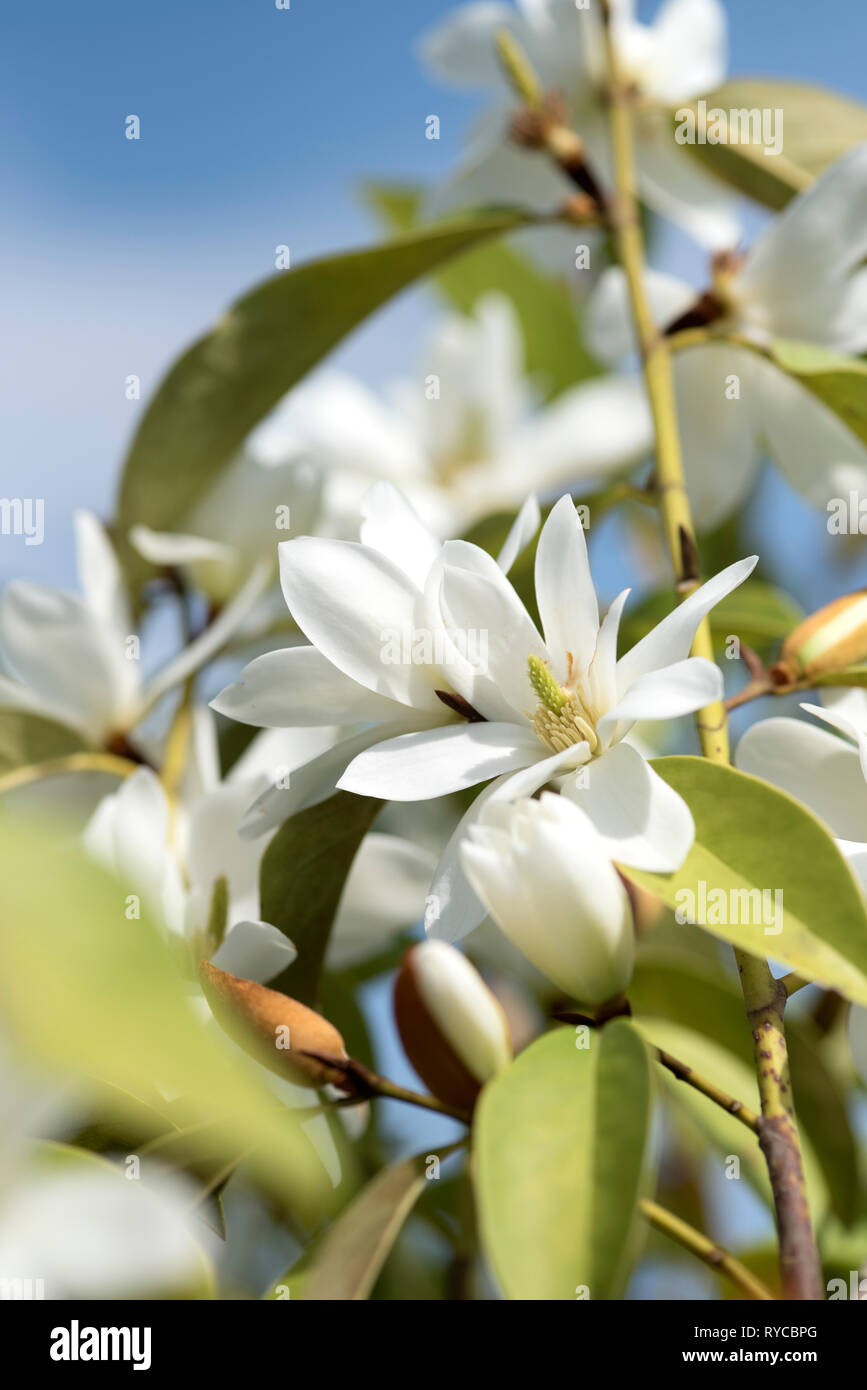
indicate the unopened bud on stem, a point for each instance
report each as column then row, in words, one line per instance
column 830, row 640
column 276, row 1030
column 453, row 1029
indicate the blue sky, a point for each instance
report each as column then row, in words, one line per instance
column 258, row 126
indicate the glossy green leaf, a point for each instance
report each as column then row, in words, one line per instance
column 818, row 126
column 29, row 738
column 752, row 839
column 553, row 352
column 349, row 1258
column 301, row 878
column 233, row 376
column 93, row 994
column 559, row 1155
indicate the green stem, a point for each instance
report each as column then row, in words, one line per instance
column 706, row 1250
column 764, row 1000
column 710, row 1089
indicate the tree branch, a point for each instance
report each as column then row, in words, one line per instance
column 778, row 1135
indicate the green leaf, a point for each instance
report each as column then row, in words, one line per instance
column 227, row 381
column 560, row 1140
column 89, row 993
column 27, row 738
column 351, row 1254
column 301, row 878
column 758, row 613
column 553, row 353
column 839, row 382
column 818, row 126
column 712, row 1005
column 751, row 838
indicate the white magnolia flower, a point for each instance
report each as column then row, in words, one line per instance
column 238, row 522
column 542, row 871
column 678, row 57
column 804, row 278
column 460, row 439
column 83, row 1231
column 173, row 851
column 828, row 774
column 542, row 709
column 376, row 659
column 76, row 659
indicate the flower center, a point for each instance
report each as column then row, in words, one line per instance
column 563, row 717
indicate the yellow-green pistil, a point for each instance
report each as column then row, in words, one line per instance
column 562, row 719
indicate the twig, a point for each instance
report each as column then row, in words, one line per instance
column 706, row 1250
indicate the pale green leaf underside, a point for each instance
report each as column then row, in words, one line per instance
column 560, row 1141
column 749, row 836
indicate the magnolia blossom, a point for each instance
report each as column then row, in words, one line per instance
column 803, row 279
column 237, row 523
column 678, row 57
column 75, row 659
column 828, row 774
column 558, row 707
column 542, row 871
column 174, row 850
column 459, row 440
column 378, row 656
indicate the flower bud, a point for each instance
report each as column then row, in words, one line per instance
column 829, row 640
column 276, row 1030
column 543, row 873
column 452, row 1027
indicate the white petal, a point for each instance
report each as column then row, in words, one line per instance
column 174, row 548
column 299, row 686
column 312, row 781
column 815, row 243
column 462, row 48
column 205, row 647
column 603, row 668
column 565, row 592
column 392, row 527
column 468, row 1015
column 56, row 644
column 542, row 871
column 813, row 446
column 521, row 532
column 593, row 431
column 417, row 766
column 640, row 819
column 353, row 604
column 667, row 693
column 453, row 909
column 384, row 894
column 490, row 630
column 675, row 186
column 838, row 718
column 610, row 332
column 813, row 766
column 254, row 951
column 691, row 49
column 718, row 435
column 100, row 575
column 671, row 639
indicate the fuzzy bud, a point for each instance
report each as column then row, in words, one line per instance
column 276, row 1030
column 829, row 640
